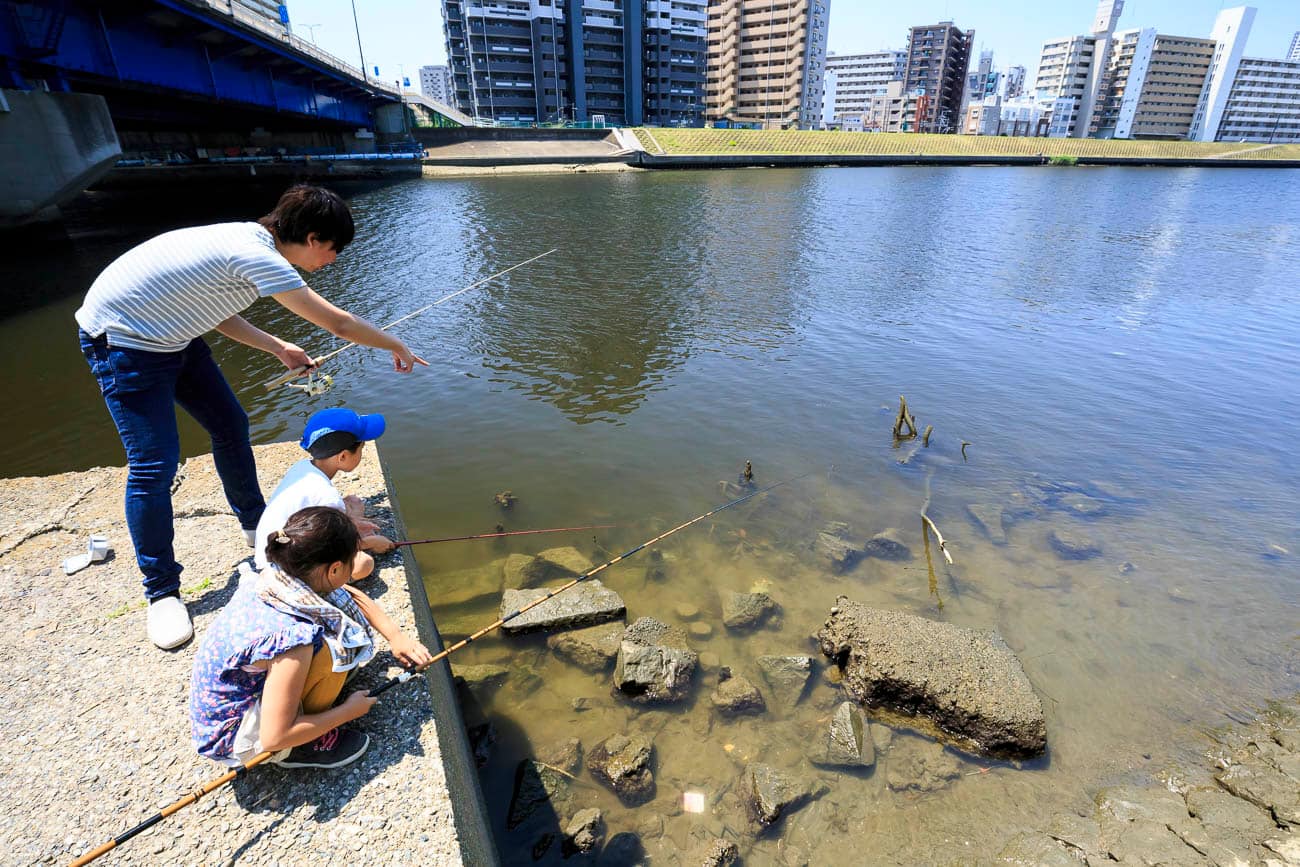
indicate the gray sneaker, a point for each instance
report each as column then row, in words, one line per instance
column 334, row 749
column 169, row 622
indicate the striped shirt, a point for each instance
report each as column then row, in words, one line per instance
column 178, row 286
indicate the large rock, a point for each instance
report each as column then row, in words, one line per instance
column 834, row 548
column 481, row 678
column 563, row 755
column 737, row 695
column 770, row 794
column 845, row 742
column 887, row 545
column 523, row 570
column 968, row 682
column 582, row 605
column 567, row 562
column 741, row 611
column 920, row 766
column 536, row 787
column 717, row 852
column 1070, row 544
column 592, row 649
column 584, row 832
column 654, row 663
column 786, row 677
column 622, row 762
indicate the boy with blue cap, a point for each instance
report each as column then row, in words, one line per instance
column 335, row 439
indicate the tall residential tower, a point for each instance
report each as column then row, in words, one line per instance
column 766, row 62
column 935, row 72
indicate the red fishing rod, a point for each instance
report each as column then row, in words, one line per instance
column 499, row 535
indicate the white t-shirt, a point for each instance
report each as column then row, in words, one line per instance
column 302, row 486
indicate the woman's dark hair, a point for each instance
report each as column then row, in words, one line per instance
column 316, row 536
column 304, row 209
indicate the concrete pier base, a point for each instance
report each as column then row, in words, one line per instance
column 52, row 146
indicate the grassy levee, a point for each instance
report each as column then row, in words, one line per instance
column 700, row 142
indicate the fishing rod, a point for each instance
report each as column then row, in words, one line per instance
column 498, row 535
column 235, row 773
column 317, row 362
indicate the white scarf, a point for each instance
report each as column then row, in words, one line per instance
column 347, row 633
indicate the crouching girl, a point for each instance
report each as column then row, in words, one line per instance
column 272, row 665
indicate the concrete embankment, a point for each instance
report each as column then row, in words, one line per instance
column 477, row 151
column 95, row 721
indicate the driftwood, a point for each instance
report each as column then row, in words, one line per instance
column 925, row 518
column 904, row 420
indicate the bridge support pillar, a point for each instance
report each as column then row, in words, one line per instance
column 52, row 146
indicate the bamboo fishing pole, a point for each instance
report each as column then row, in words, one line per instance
column 317, row 362
column 235, row 773
column 498, row 535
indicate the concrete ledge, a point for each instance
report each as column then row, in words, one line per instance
column 142, row 177
column 95, row 718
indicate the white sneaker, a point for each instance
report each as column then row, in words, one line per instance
column 250, row 536
column 169, row 623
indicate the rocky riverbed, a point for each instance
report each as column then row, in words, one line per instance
column 94, row 717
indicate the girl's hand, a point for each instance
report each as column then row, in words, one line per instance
column 358, row 704
column 411, row 652
column 404, row 360
column 293, row 357
column 379, row 544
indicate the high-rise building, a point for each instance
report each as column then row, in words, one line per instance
column 1264, row 103
column 625, row 61
column 1014, row 82
column 1294, row 53
column 435, row 83
column 766, row 62
column 935, row 70
column 852, row 79
column 1153, row 83
column 1231, row 29
column 1071, row 69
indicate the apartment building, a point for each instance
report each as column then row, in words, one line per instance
column 766, row 62
column 1070, row 72
column 1263, row 104
column 1294, row 53
column 435, row 83
column 982, row 81
column 938, row 56
column 853, row 79
column 1014, row 82
column 1152, row 85
column 625, row 62
column 1231, row 30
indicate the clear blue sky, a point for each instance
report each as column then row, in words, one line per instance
column 409, row 32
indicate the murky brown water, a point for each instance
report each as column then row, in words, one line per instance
column 1130, row 333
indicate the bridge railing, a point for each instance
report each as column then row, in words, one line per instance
column 258, row 22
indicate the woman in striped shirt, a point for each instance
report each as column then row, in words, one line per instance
column 141, row 328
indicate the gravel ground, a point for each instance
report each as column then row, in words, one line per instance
column 93, row 717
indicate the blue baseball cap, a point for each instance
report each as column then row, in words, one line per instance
column 340, row 419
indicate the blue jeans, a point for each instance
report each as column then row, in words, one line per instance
column 141, row 389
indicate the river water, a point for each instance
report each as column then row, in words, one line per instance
column 1128, row 334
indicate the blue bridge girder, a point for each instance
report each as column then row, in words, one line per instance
column 193, row 62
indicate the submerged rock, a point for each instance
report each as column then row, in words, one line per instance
column 523, row 570
column 481, row 677
column 787, row 677
column 832, row 545
column 584, row 832
column 737, row 695
column 465, row 586
column 565, row 755
column 587, row 603
column 717, row 853
column 988, row 517
column 1081, row 505
column 846, row 741
column 537, row 786
column 921, row 766
column 622, row 762
column 654, row 663
column 968, row 682
column 770, row 794
column 566, row 562
column 887, row 545
column 1073, row 545
column 742, row 611
column 591, row 649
